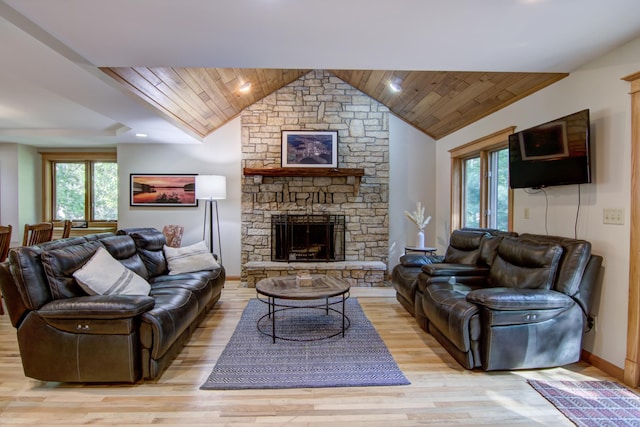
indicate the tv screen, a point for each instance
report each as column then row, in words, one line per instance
column 553, row 153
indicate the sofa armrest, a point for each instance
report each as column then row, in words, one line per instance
column 451, row 269
column 512, row 307
column 519, row 299
column 473, row 282
column 418, row 260
column 97, row 307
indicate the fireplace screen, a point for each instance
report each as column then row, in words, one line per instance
column 307, row 238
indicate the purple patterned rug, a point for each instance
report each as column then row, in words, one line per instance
column 252, row 361
column 592, row 403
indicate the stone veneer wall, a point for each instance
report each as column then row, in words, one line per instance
column 317, row 101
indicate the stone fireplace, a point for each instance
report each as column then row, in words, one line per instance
column 317, row 101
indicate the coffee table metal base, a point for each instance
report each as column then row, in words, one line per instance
column 280, row 306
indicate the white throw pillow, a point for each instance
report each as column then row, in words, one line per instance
column 191, row 258
column 105, row 275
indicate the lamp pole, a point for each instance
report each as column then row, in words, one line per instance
column 218, row 230
column 211, row 188
column 210, row 206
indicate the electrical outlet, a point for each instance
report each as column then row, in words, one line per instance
column 592, row 322
column 613, row 216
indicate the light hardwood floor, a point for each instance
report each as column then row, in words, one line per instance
column 441, row 392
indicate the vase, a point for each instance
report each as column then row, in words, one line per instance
column 420, row 239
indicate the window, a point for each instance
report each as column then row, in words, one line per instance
column 80, row 186
column 480, row 183
column 498, row 214
column 471, row 199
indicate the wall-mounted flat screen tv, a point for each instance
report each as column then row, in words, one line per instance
column 553, row 153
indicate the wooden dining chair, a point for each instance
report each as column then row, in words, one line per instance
column 66, row 228
column 5, row 242
column 37, row 233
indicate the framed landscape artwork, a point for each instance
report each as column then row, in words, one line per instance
column 309, row 149
column 163, row 190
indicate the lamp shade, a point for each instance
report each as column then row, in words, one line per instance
column 211, row 187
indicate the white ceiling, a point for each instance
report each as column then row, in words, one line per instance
column 51, row 93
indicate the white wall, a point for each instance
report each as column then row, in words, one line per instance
column 29, row 177
column 8, row 189
column 412, row 179
column 20, row 178
column 218, row 155
column 597, row 86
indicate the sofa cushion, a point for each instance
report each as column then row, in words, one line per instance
column 60, row 264
column 525, row 264
column 190, row 258
column 575, row 257
column 489, row 249
column 464, row 247
column 123, row 248
column 149, row 242
column 104, row 275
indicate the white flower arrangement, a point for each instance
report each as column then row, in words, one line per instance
column 417, row 217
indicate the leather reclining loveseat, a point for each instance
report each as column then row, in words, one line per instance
column 67, row 335
column 513, row 302
column 463, row 252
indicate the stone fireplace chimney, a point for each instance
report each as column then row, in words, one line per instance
column 318, row 101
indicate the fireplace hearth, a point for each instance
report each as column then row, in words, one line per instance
column 307, row 238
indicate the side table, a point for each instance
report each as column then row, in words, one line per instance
column 425, row 250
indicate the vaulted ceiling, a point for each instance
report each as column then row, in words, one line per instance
column 436, row 102
column 178, row 63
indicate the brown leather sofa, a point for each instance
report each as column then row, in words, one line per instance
column 66, row 335
column 513, row 303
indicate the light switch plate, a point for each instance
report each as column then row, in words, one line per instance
column 613, row 216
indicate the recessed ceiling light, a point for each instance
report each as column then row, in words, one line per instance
column 245, row 87
column 141, row 135
column 394, row 84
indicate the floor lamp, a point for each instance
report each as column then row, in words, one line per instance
column 211, row 188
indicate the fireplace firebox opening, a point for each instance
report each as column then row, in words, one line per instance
column 307, row 238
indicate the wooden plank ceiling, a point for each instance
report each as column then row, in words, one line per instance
column 436, row 102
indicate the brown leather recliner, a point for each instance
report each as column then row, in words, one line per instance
column 527, row 310
column 66, row 335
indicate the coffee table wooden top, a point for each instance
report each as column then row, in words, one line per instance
column 286, row 287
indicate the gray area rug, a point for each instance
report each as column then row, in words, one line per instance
column 252, row 361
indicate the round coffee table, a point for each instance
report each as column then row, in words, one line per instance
column 276, row 291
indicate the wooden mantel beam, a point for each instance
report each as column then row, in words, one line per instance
column 331, row 172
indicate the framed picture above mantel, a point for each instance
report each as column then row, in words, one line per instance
column 309, row 149
column 173, row 190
